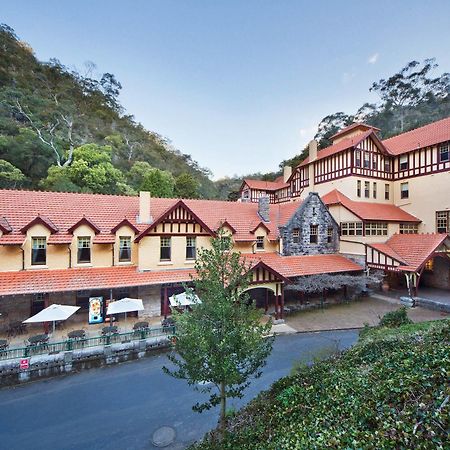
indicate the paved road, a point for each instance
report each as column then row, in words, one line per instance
column 120, row 407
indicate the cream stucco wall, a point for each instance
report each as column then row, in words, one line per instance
column 10, row 258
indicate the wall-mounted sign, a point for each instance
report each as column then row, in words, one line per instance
column 24, row 364
column 95, row 310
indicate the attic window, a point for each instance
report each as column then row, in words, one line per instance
column 296, row 235
column 330, row 235
column 260, row 242
column 313, row 233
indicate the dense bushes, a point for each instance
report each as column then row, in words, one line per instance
column 395, row 318
column 389, row 391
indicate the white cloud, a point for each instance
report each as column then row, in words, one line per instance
column 373, row 59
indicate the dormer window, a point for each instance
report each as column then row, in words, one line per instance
column 124, row 248
column 260, row 242
column 39, row 251
column 84, row 250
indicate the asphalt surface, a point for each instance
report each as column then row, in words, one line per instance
column 120, row 407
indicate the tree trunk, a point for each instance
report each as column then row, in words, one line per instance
column 223, row 410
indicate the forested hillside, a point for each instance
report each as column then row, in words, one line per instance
column 62, row 129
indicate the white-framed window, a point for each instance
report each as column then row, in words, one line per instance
column 313, row 234
column 403, row 162
column 124, row 248
column 357, row 158
column 374, row 190
column 376, row 228
column 444, row 152
column 387, row 165
column 84, row 250
column 443, row 221
column 38, row 251
column 366, row 160
column 260, row 242
column 409, row 228
column 165, row 249
column 386, row 191
column 296, row 235
column 330, row 235
column 351, row 229
column 191, row 247
column 366, row 189
column 404, row 190
column 246, row 194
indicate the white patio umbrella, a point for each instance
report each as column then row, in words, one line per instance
column 183, row 300
column 53, row 313
column 125, row 305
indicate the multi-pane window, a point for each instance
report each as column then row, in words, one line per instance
column 351, row 229
column 330, row 235
column 376, row 229
column 443, row 221
column 409, row 228
column 84, row 250
column 313, row 234
column 246, row 194
column 39, row 251
column 296, row 235
column 366, row 189
column 191, row 247
column 387, row 165
column 403, row 163
column 386, row 191
column 404, row 190
column 260, row 242
column 124, row 248
column 374, row 190
column 366, row 160
column 444, row 152
column 358, row 188
column 165, row 249
column 357, row 158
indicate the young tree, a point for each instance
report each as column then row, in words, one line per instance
column 10, row 176
column 186, row 186
column 221, row 344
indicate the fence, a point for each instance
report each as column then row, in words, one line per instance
column 74, row 344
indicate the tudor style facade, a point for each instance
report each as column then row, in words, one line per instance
column 376, row 189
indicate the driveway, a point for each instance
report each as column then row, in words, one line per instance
column 354, row 315
column 120, row 407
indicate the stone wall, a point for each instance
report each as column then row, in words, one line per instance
column 440, row 276
column 312, row 211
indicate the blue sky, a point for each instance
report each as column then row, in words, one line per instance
column 239, row 85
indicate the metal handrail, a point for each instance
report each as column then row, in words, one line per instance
column 75, row 344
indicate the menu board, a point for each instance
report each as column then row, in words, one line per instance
column 95, row 310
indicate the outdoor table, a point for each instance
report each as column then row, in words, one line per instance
column 140, row 325
column 112, row 329
column 38, row 339
column 77, row 334
column 3, row 344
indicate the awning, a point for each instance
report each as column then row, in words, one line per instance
column 53, row 313
column 125, row 305
column 183, row 300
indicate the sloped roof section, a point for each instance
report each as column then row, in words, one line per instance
column 354, row 126
column 370, row 211
column 428, row 135
column 42, row 220
column 4, row 226
column 265, row 185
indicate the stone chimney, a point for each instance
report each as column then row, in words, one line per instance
column 287, row 172
column 144, row 207
column 312, row 150
column 264, row 208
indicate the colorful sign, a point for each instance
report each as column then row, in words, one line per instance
column 95, row 310
column 24, row 364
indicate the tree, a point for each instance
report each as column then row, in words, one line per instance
column 330, row 125
column 159, row 183
column 10, row 176
column 186, row 186
column 221, row 344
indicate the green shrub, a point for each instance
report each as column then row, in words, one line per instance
column 395, row 319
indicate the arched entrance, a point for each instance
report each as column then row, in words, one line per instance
column 268, row 295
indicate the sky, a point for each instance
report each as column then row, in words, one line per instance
column 240, row 84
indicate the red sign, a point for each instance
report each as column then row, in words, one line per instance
column 24, row 364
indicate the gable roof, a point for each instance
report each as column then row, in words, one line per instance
column 106, row 211
column 265, row 185
column 125, row 223
column 84, row 221
column 40, row 220
column 413, row 250
column 4, row 225
column 354, row 126
column 425, row 136
column 369, row 211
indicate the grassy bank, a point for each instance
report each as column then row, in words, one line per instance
column 389, row 391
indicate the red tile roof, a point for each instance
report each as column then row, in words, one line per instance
column 63, row 280
column 425, row 136
column 104, row 238
column 354, row 126
column 12, row 239
column 4, row 225
column 413, row 250
column 296, row 266
column 369, row 211
column 59, row 238
column 106, row 211
column 266, row 185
